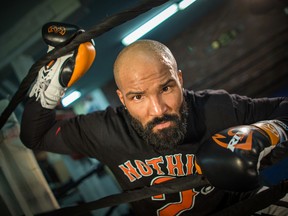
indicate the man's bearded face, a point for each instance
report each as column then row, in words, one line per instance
column 166, row 139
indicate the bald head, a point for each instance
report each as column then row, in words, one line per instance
column 145, row 50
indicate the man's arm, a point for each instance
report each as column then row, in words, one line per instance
column 250, row 110
column 220, row 110
column 244, row 113
column 39, row 129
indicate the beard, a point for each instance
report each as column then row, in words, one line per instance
column 165, row 140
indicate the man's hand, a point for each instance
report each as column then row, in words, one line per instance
column 59, row 74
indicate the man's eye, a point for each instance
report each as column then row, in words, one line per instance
column 166, row 88
column 137, row 97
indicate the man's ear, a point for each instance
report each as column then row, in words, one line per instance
column 179, row 74
column 120, row 95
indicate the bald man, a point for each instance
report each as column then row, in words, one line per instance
column 155, row 134
column 151, row 88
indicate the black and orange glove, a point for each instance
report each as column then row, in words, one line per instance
column 231, row 159
column 55, row 77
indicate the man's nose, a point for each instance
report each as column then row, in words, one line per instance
column 158, row 107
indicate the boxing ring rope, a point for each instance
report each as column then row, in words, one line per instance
column 168, row 187
column 245, row 207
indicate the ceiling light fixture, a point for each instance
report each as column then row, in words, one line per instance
column 71, row 98
column 155, row 21
column 151, row 24
column 185, row 3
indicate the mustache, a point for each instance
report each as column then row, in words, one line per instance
column 164, row 118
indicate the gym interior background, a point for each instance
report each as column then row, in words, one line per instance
column 239, row 46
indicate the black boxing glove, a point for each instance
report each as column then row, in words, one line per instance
column 231, row 158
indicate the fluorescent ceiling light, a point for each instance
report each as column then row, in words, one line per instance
column 71, row 98
column 151, row 24
column 185, row 3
